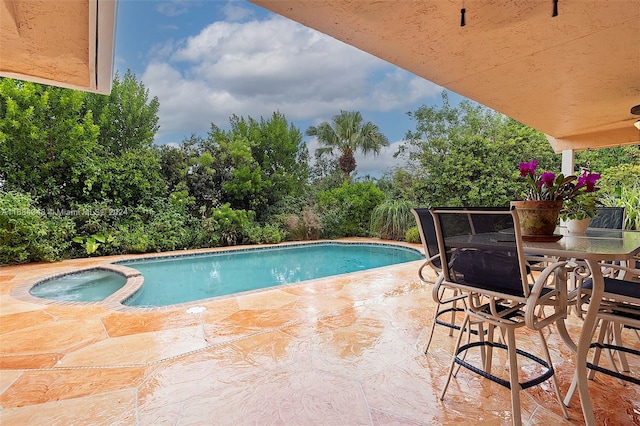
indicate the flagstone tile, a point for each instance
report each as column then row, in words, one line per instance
column 10, row 305
column 117, row 407
column 358, row 351
column 37, row 387
column 142, row 348
column 179, row 379
column 340, row 350
column 273, row 299
column 7, row 378
column 281, row 397
column 324, row 305
column 21, row 320
column 383, row 419
column 127, row 323
column 317, row 287
column 71, row 312
column 273, row 349
column 28, row 361
column 52, row 336
column 218, row 309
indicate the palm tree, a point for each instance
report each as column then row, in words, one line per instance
column 347, row 133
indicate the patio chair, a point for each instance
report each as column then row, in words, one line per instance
column 619, row 308
column 443, row 295
column 490, row 268
column 608, row 217
column 424, row 219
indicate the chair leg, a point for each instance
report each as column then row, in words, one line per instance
column 486, row 361
column 433, row 327
column 464, row 325
column 609, row 339
column 604, row 328
column 556, row 388
column 454, row 305
column 617, row 340
column 468, row 332
column 513, row 378
column 571, row 391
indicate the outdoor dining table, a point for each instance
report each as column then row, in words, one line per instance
column 596, row 245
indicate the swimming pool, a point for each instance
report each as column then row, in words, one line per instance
column 87, row 286
column 171, row 280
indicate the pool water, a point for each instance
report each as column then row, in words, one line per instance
column 178, row 279
column 86, row 286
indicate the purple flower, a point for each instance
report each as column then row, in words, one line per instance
column 528, row 168
column 588, row 179
column 547, row 178
column 556, row 187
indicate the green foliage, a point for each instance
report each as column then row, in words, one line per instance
column 629, row 198
column 48, row 142
column 127, row 119
column 391, row 219
column 93, row 242
column 623, row 175
column 224, row 227
column 253, row 166
column 305, row 226
column 81, row 165
column 130, row 179
column 347, row 133
column 27, row 234
column 268, row 234
column 599, row 160
column 413, row 235
column 174, row 166
column 467, row 156
column 346, row 211
column 580, row 207
column 163, row 226
column 620, row 187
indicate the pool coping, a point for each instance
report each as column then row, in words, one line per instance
column 135, row 280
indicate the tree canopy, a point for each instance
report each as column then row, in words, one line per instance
column 80, row 174
column 348, row 133
column 468, row 155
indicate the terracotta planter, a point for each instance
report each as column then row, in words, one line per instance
column 578, row 226
column 537, row 218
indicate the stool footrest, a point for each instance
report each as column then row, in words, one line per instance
column 613, row 373
column 529, row 383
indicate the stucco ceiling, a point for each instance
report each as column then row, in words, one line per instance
column 68, row 43
column 574, row 77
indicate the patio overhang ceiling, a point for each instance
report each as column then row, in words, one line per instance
column 67, row 43
column 574, row 77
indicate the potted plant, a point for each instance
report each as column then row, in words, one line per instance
column 578, row 212
column 539, row 212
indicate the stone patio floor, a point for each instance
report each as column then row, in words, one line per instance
column 345, row 350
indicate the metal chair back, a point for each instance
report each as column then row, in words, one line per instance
column 608, row 217
column 487, row 257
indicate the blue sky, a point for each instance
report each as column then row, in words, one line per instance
column 207, row 60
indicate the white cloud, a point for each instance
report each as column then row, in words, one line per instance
column 236, row 11
column 173, row 8
column 376, row 165
column 258, row 67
